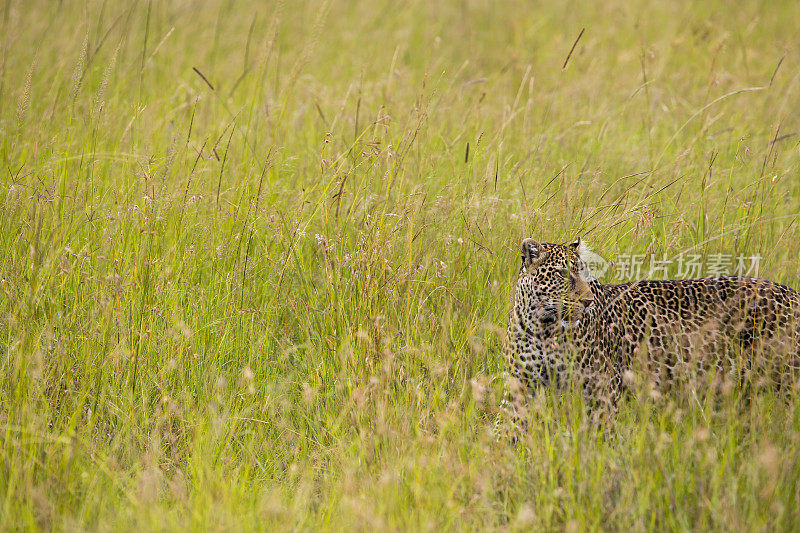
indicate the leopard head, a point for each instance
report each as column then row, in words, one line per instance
column 553, row 284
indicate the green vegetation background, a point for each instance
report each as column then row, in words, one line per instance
column 251, row 278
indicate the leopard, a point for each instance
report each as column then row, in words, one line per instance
column 566, row 326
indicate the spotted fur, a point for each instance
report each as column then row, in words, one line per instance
column 564, row 323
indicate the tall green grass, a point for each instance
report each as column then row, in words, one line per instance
column 255, row 258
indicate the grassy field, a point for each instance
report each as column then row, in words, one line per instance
column 255, row 258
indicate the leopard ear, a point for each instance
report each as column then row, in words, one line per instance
column 531, row 252
column 576, row 246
